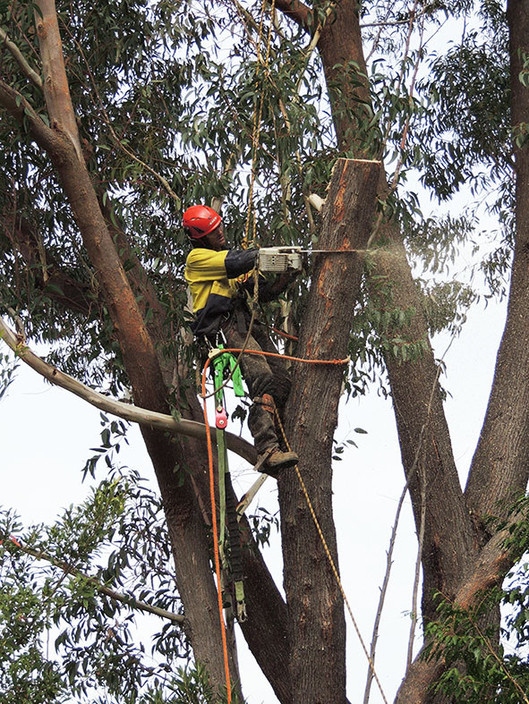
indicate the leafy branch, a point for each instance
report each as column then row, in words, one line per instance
column 27, row 70
column 69, row 569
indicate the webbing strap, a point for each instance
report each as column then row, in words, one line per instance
column 229, row 538
column 223, row 469
column 237, row 571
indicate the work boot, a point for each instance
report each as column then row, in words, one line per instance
column 277, row 461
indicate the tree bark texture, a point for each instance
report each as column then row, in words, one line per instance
column 315, row 604
column 55, row 83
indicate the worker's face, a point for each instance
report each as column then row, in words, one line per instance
column 216, row 239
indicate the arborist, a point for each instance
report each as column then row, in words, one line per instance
column 219, row 280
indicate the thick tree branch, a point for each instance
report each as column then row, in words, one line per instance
column 56, row 89
column 15, row 103
column 295, row 10
column 126, row 411
column 500, row 466
column 489, row 570
column 186, row 528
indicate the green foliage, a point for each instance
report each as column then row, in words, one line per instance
column 114, row 433
column 485, row 662
column 63, row 633
column 468, row 120
column 478, row 667
column 152, row 92
column 8, row 367
column 262, row 522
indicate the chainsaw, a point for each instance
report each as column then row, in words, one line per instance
column 280, row 259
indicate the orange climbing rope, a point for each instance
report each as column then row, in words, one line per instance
column 216, row 537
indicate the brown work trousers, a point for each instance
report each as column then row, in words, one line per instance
column 264, row 375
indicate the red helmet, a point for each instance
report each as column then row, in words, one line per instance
column 199, row 220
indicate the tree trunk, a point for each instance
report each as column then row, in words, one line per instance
column 500, row 467
column 171, row 458
column 316, row 618
column 191, row 548
column 150, row 376
column 451, row 540
column 423, row 432
column 449, row 544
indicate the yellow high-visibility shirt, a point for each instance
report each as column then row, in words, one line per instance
column 213, row 279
